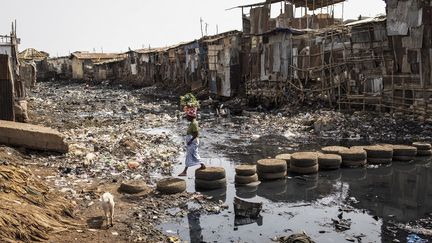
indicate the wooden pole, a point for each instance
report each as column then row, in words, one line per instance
column 201, row 22
column 343, row 6
column 331, row 64
column 323, row 77
column 307, row 18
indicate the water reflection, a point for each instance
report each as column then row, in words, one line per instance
column 353, row 174
column 401, row 191
column 195, row 230
column 216, row 195
column 273, row 190
column 331, row 175
column 246, row 191
column 240, row 221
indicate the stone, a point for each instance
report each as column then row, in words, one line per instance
column 20, row 109
column 132, row 165
column 32, row 137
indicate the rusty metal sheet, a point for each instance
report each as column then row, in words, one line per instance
column 6, row 90
column 397, row 19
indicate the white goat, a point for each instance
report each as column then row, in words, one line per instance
column 107, row 201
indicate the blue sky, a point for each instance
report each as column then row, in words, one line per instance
column 63, row 26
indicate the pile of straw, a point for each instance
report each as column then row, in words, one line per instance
column 29, row 211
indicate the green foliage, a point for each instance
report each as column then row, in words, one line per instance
column 189, row 100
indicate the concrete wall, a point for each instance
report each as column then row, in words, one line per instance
column 5, row 49
column 77, row 69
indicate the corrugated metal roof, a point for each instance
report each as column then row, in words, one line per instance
column 161, row 49
column 314, row 4
column 311, row 4
column 32, row 54
column 213, row 38
column 96, row 56
column 149, row 50
column 110, row 61
column 379, row 18
column 292, row 31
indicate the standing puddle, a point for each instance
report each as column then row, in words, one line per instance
column 369, row 197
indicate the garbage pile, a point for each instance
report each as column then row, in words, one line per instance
column 116, row 136
column 29, row 210
column 108, row 130
column 312, row 124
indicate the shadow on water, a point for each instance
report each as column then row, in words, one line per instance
column 400, row 192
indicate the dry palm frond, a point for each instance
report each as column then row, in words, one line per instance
column 29, row 211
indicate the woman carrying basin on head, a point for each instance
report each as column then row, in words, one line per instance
column 191, row 140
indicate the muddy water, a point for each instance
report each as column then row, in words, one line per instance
column 370, row 196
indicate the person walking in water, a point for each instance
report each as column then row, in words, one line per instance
column 192, row 141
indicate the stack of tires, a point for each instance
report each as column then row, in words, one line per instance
column 329, row 161
column 423, row 149
column 379, row 155
column 245, row 174
column 287, row 158
column 304, row 163
column 210, row 178
column 171, row 185
column 333, row 149
column 271, row 169
column 353, row 157
column 404, row 153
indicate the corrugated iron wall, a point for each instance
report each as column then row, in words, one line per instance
column 6, row 90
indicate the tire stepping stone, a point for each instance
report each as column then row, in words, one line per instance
column 245, row 174
column 171, row 185
column 404, row 153
column 210, row 178
column 353, row 157
column 286, row 157
column 271, row 169
column 379, row 154
column 333, row 149
column 133, row 187
column 329, row 161
column 304, row 163
column 423, row 149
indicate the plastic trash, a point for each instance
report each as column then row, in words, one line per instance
column 413, row 238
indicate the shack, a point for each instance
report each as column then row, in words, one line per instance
column 109, row 70
column 140, row 66
column 277, row 60
column 82, row 63
column 194, row 58
column 270, row 59
column 56, row 68
column 13, row 104
column 223, row 69
column 31, row 61
column 409, row 27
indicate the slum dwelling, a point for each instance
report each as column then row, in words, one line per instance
column 211, row 63
column 304, row 54
column 13, row 104
column 276, row 48
column 380, row 63
column 83, row 63
column 55, row 68
column 31, row 60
